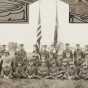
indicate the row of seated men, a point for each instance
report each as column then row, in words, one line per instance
column 47, row 64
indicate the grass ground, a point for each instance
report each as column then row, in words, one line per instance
column 43, row 83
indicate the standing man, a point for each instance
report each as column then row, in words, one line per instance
column 67, row 53
column 78, row 59
column 43, row 70
column 20, row 62
column 53, row 62
column 21, row 54
column 67, row 58
column 78, row 54
column 86, row 55
column 34, row 63
column 3, row 54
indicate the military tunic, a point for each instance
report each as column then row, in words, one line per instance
column 67, row 54
column 34, row 64
column 71, row 71
column 84, row 72
column 78, row 60
column 53, row 68
column 78, row 57
column 67, row 58
column 86, row 56
column 19, row 63
column 43, row 69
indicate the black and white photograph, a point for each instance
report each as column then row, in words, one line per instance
column 48, row 52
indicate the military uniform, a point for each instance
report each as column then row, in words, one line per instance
column 60, row 71
column 78, row 59
column 63, row 72
column 71, row 71
column 86, row 55
column 84, row 72
column 53, row 63
column 43, row 69
column 53, row 68
column 34, row 64
column 78, row 56
column 67, row 54
column 5, row 61
column 19, row 63
column 67, row 57
column 6, row 66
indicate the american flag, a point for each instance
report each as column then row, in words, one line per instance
column 39, row 36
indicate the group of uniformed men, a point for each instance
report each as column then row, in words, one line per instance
column 45, row 63
column 70, row 64
column 13, row 64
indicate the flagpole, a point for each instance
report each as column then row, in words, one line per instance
column 56, row 27
column 56, row 13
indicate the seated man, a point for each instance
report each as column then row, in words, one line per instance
column 5, row 61
column 53, row 69
column 6, row 66
column 63, row 72
column 34, row 63
column 43, row 70
column 84, row 72
column 71, row 71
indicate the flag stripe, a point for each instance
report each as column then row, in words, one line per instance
column 39, row 36
column 39, row 27
column 39, row 33
column 39, row 39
